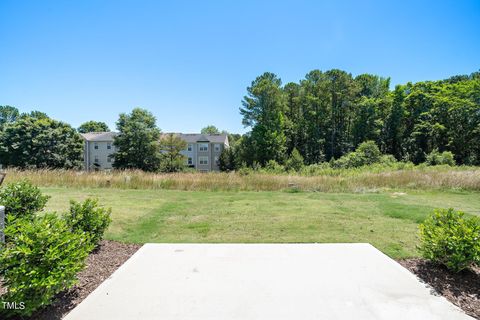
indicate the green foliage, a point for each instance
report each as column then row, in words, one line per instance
column 39, row 142
column 440, row 158
column 366, row 154
column 8, row 114
column 93, row 126
column 273, row 166
column 137, row 142
column 295, row 161
column 211, row 129
column 449, row 238
column 41, row 260
column 89, row 218
column 327, row 114
column 22, row 199
column 227, row 159
column 264, row 111
column 171, row 146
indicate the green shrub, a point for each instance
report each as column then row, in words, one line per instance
column 90, row 218
column 22, row 199
column 41, row 261
column 436, row 158
column 367, row 153
column 449, row 238
column 273, row 166
column 295, row 161
column 388, row 160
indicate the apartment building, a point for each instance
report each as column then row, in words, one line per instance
column 202, row 152
column 98, row 150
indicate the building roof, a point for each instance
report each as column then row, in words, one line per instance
column 99, row 136
column 198, row 137
column 188, row 137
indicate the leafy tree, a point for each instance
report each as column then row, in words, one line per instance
column 395, row 124
column 8, row 114
column 93, row 126
column 171, row 146
column 295, row 161
column 137, row 142
column 233, row 139
column 227, row 160
column 40, row 143
column 264, row 110
column 328, row 114
column 211, row 129
column 35, row 114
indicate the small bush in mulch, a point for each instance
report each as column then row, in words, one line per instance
column 89, row 217
column 451, row 238
column 461, row 289
column 22, row 199
column 100, row 265
column 41, row 259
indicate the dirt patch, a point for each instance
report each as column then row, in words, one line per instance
column 462, row 289
column 101, row 263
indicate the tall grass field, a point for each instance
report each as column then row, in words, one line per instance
column 327, row 180
column 377, row 205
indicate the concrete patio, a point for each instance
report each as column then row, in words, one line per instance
column 262, row 281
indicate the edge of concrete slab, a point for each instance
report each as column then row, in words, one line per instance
column 124, row 267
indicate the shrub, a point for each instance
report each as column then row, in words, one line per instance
column 436, row 158
column 22, row 199
column 273, row 166
column 90, row 218
column 367, row 153
column 449, row 238
column 388, row 160
column 41, row 261
column 295, row 161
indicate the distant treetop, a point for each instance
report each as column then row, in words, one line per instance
column 93, row 126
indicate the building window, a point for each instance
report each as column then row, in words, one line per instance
column 109, row 159
column 190, row 147
column 190, row 161
column 95, row 146
column 217, row 147
column 203, row 160
column 109, row 146
column 203, row 147
column 96, row 159
column 216, row 160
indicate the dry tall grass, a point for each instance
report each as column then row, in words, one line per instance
column 344, row 181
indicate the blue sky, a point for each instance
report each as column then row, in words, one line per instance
column 189, row 62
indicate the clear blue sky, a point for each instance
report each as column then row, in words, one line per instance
column 189, row 62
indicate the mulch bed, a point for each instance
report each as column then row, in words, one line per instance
column 462, row 289
column 101, row 263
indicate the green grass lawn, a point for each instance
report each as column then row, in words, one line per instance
column 386, row 220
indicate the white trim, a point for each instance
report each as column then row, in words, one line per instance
column 204, row 159
column 202, row 146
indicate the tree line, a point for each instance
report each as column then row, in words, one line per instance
column 322, row 118
column 329, row 114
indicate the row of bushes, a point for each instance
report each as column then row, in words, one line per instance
column 44, row 252
column 367, row 154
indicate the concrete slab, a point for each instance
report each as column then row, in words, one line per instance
column 262, row 281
